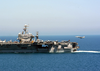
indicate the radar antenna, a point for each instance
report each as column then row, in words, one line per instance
column 36, row 35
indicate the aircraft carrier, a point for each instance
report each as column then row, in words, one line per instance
column 32, row 44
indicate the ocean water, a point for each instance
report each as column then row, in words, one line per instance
column 87, row 58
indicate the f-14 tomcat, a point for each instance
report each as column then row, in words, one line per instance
column 32, row 44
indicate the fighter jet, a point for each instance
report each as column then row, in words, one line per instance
column 2, row 41
column 80, row 37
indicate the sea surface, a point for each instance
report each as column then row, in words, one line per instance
column 87, row 58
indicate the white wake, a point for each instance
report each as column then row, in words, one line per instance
column 86, row 51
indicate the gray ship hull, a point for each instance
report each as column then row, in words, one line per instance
column 32, row 48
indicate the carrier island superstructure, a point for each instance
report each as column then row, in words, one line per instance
column 32, row 44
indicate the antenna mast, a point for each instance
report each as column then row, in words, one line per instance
column 25, row 29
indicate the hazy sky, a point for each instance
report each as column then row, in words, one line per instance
column 50, row 17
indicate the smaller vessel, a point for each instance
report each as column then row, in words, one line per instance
column 80, row 37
